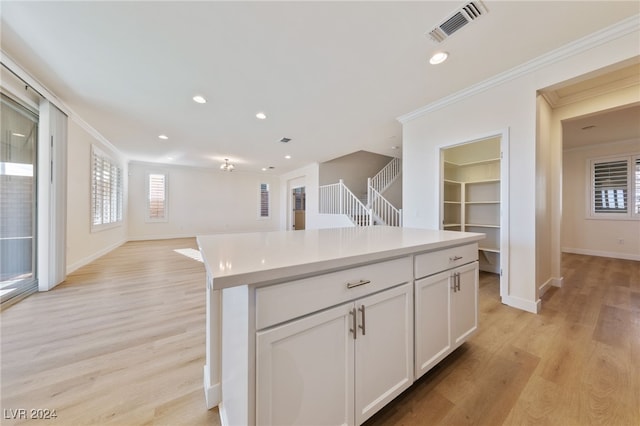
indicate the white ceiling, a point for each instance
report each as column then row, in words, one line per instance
column 332, row 76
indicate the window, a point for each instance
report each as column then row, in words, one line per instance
column 615, row 188
column 157, row 197
column 264, row 200
column 106, row 191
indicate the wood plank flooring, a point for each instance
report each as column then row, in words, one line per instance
column 121, row 342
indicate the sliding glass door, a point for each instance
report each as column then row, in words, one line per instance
column 18, row 137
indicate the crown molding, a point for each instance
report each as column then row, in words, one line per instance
column 621, row 29
column 45, row 93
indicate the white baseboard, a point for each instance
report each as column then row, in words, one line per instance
column 86, row 260
column 212, row 393
column 611, row 254
column 525, row 305
column 160, row 237
column 224, row 419
column 557, row 282
column 551, row 282
column 544, row 287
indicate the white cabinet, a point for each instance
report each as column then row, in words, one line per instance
column 464, row 303
column 337, row 366
column 305, row 369
column 433, row 321
column 316, row 338
column 446, row 306
column 384, row 350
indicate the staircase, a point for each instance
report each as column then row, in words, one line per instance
column 374, row 208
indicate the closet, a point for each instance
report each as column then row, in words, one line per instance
column 471, row 195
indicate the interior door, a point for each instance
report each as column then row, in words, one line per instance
column 299, row 207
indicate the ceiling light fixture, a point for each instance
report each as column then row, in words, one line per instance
column 288, row 157
column 163, row 137
column 438, row 58
column 199, row 99
column 19, row 135
column 261, row 116
column 227, row 166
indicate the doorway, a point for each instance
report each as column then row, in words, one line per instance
column 299, row 207
column 18, row 207
column 474, row 198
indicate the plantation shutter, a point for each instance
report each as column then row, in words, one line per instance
column 106, row 190
column 610, row 186
column 157, row 196
column 264, row 200
column 636, row 209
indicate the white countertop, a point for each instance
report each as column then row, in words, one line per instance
column 265, row 257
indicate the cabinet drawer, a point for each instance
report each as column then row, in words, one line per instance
column 437, row 261
column 282, row 302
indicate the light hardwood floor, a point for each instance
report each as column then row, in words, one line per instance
column 121, row 342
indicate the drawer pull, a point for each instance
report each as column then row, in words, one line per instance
column 359, row 283
column 455, row 258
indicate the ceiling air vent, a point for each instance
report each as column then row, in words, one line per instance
column 458, row 19
column 285, row 140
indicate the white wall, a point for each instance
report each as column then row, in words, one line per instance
column 353, row 169
column 544, row 198
column 308, row 177
column 83, row 246
column 596, row 237
column 508, row 103
column 578, row 234
column 202, row 201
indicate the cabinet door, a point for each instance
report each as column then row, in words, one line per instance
column 464, row 304
column 433, row 328
column 304, row 370
column 383, row 349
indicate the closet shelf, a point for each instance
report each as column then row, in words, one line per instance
column 478, row 202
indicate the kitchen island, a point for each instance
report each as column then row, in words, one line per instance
column 328, row 326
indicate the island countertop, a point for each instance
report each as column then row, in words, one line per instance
column 260, row 258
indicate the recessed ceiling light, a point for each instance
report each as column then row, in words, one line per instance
column 199, row 99
column 261, row 116
column 163, row 137
column 264, row 169
column 288, row 157
column 20, row 135
column 438, row 58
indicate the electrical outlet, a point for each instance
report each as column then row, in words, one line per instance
column 620, row 240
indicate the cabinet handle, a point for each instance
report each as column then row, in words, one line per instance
column 359, row 283
column 354, row 330
column 456, row 281
column 361, row 309
column 455, row 258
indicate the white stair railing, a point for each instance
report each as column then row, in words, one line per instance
column 383, row 211
column 386, row 176
column 336, row 198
